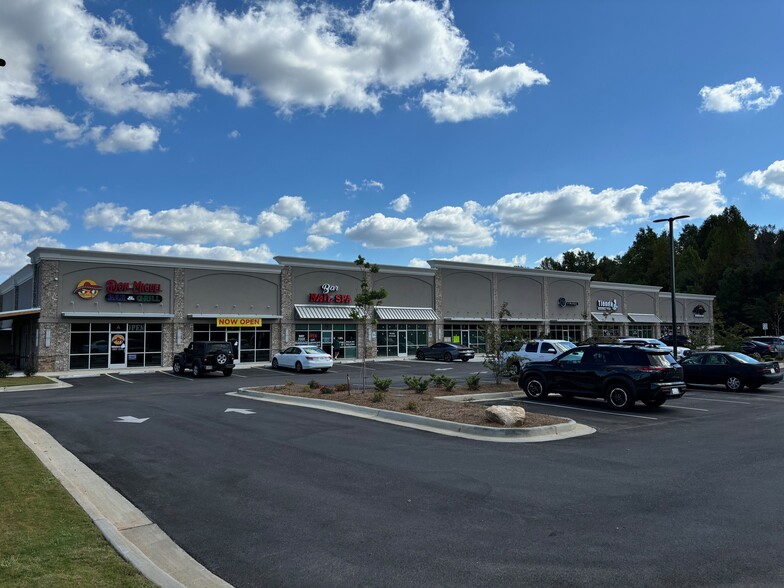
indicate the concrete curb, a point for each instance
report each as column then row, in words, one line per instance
column 475, row 432
column 57, row 384
column 137, row 539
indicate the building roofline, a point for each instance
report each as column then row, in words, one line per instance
column 506, row 269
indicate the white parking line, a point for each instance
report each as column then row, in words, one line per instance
column 620, row 414
column 687, row 408
column 174, row 376
column 716, row 399
column 120, row 379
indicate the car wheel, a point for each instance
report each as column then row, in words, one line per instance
column 448, row 357
column 620, row 396
column 535, row 387
column 221, row 359
column 298, row 368
column 324, row 370
column 274, row 363
column 654, row 403
column 197, row 371
column 514, row 368
column 464, row 358
column 227, row 372
column 177, row 367
column 734, row 383
column 753, row 386
column 420, row 355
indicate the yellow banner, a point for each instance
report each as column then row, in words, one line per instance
column 241, row 321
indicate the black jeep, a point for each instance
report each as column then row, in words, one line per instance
column 205, row 356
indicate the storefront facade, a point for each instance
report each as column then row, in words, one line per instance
column 75, row 310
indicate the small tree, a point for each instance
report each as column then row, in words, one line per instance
column 365, row 305
column 494, row 345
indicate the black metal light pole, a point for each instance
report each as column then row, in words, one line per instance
column 2, row 62
column 672, row 280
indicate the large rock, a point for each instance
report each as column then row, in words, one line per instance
column 508, row 416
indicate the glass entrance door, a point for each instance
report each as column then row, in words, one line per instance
column 233, row 337
column 118, row 346
column 401, row 343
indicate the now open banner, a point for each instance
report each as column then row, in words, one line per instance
column 241, row 321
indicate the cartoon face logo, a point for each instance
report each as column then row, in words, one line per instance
column 87, row 289
column 118, row 340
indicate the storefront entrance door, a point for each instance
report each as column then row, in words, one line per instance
column 118, row 346
column 233, row 337
column 401, row 343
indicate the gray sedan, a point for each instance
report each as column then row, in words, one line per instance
column 445, row 351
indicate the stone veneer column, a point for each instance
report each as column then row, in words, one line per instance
column 545, row 306
column 55, row 357
column 179, row 322
column 278, row 338
column 438, row 329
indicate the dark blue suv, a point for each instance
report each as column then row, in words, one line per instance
column 618, row 374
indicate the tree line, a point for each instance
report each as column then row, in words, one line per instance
column 739, row 263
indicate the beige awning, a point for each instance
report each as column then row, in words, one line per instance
column 612, row 317
column 404, row 313
column 637, row 317
column 323, row 311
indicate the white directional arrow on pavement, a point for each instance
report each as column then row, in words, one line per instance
column 131, row 419
column 240, row 410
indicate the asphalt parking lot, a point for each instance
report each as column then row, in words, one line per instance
column 261, row 494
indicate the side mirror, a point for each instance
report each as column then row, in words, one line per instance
column 551, row 351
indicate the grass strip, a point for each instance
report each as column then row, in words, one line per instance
column 46, row 539
column 24, row 381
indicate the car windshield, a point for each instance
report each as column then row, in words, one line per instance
column 562, row 346
column 742, row 357
column 316, row 350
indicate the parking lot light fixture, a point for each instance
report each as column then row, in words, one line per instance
column 671, row 220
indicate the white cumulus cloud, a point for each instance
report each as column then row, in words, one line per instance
column 771, row 179
column 330, row 225
column 23, row 228
column 747, row 94
column 60, row 41
column 697, row 199
column 401, row 203
column 379, row 231
column 315, row 243
column 458, row 225
column 123, row 137
column 566, row 215
column 480, row 93
column 260, row 254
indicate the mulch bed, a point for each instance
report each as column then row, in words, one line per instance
column 426, row 404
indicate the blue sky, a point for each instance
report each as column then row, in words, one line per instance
column 491, row 132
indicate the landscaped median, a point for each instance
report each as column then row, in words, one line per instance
column 459, row 413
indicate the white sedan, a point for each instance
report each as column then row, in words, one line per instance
column 302, row 358
column 682, row 351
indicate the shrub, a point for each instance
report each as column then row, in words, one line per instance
column 378, row 396
column 341, row 387
column 418, row 385
column 5, row 369
column 306, row 388
column 314, row 384
column 473, row 381
column 327, row 390
column 442, row 381
column 289, row 383
column 381, row 384
column 412, row 406
column 30, row 370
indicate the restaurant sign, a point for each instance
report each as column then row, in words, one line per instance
column 117, row 291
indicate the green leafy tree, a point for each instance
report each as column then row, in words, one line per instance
column 365, row 303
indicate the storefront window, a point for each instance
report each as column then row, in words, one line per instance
column 251, row 344
column 90, row 343
column 340, row 338
column 644, row 331
column 471, row 335
column 523, row 332
column 394, row 340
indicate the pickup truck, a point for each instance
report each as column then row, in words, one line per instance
column 536, row 350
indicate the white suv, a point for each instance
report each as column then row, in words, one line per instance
column 536, row 350
column 682, row 351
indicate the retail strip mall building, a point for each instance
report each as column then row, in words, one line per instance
column 75, row 309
